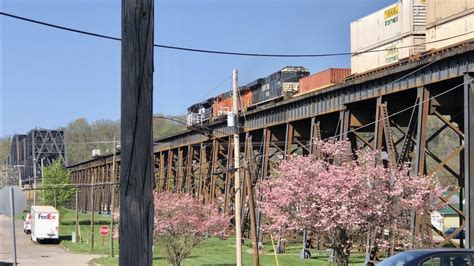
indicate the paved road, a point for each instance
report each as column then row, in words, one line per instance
column 29, row 253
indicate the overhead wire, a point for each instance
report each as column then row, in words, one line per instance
column 337, row 135
column 382, row 87
column 243, row 54
column 213, row 89
column 208, row 51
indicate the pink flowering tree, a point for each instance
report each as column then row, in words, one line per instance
column 344, row 196
column 182, row 222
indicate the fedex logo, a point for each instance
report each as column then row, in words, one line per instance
column 48, row 216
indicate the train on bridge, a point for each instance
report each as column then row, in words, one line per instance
column 417, row 108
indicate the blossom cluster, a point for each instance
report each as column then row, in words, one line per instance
column 344, row 191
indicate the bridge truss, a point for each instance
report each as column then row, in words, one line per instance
column 419, row 111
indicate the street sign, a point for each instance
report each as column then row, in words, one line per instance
column 12, row 201
column 104, row 230
column 19, row 199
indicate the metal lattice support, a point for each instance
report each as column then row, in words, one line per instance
column 34, row 150
column 365, row 110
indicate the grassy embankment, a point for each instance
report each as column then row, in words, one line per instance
column 211, row 251
column 222, row 252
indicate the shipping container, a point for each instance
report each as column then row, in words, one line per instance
column 387, row 54
column 450, row 32
column 323, row 79
column 442, row 11
column 392, row 23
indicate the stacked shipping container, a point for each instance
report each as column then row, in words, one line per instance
column 323, row 79
column 388, row 35
column 448, row 22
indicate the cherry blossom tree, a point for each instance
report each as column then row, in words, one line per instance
column 344, row 195
column 182, row 222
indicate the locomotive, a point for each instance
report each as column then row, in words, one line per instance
column 278, row 85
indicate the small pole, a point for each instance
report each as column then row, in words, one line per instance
column 253, row 225
column 34, row 181
column 77, row 217
column 42, row 178
column 238, row 230
column 19, row 176
column 112, row 202
column 12, row 205
column 92, row 210
column 274, row 250
column 55, row 201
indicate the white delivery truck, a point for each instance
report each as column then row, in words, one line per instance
column 44, row 223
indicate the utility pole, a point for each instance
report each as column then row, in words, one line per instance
column 235, row 110
column 250, row 189
column 77, row 217
column 112, row 202
column 136, row 141
column 19, row 175
column 34, row 180
column 92, row 203
column 42, row 165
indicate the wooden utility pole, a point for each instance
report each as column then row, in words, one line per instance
column 235, row 109
column 249, row 184
column 77, row 217
column 92, row 203
column 136, row 175
column 112, row 202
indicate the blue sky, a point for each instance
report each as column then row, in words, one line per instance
column 51, row 77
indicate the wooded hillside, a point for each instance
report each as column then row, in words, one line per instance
column 83, row 137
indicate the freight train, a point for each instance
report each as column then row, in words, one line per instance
column 399, row 32
column 281, row 84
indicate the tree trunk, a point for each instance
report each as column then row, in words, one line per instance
column 341, row 258
column 136, row 175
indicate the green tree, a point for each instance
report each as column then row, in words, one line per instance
column 57, row 186
column 83, row 137
column 5, row 143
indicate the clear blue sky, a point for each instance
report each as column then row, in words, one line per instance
column 50, row 77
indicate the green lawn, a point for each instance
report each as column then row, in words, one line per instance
column 214, row 251
column 68, row 225
column 211, row 251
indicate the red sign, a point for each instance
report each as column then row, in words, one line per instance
column 104, row 230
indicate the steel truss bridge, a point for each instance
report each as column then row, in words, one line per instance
column 30, row 152
column 420, row 110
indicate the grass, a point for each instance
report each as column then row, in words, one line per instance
column 212, row 251
column 68, row 225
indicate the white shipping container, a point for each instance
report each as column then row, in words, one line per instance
column 441, row 11
column 387, row 54
column 44, row 223
column 442, row 35
column 392, row 23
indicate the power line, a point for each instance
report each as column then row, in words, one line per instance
column 188, row 49
column 379, row 120
column 215, row 88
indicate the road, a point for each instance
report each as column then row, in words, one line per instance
column 29, row 253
